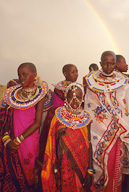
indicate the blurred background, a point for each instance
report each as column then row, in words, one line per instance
column 52, row 33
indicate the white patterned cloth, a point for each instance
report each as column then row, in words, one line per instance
column 107, row 101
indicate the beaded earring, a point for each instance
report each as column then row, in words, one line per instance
column 38, row 81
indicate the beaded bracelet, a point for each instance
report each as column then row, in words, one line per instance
column 90, row 171
column 6, row 142
column 4, row 138
column 21, row 138
column 18, row 140
column 15, row 141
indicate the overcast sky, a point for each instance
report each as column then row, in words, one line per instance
column 52, row 33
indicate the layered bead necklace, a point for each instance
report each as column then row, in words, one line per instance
column 21, row 98
column 72, row 120
column 27, row 93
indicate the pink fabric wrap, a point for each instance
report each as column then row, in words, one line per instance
column 57, row 101
column 28, row 150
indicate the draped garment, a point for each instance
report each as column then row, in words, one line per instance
column 109, row 130
column 58, row 173
column 18, row 168
column 12, row 175
column 28, row 150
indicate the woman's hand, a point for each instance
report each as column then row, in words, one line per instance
column 12, row 146
column 87, row 183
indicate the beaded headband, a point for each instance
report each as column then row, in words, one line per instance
column 73, row 87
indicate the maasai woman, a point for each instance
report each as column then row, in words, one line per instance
column 70, row 73
column 107, row 100
column 67, row 162
column 20, row 134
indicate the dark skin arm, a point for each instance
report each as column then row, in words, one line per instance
column 88, row 178
column 84, row 84
column 11, row 146
column 90, row 147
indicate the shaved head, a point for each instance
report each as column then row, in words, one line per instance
column 108, row 53
column 29, row 66
column 66, row 67
column 119, row 57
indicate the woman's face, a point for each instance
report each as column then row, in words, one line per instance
column 26, row 77
column 74, row 98
column 108, row 64
column 122, row 65
column 71, row 74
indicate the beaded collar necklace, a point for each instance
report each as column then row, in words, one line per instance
column 15, row 99
column 71, row 120
column 97, row 82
